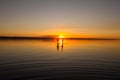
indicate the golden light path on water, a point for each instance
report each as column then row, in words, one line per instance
column 60, row 42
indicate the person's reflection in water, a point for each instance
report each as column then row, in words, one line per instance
column 59, row 44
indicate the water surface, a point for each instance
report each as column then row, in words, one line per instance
column 62, row 59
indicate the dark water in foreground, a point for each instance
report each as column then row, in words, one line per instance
column 62, row 60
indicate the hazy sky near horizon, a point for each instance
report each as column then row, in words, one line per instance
column 50, row 17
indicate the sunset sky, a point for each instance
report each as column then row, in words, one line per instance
column 73, row 18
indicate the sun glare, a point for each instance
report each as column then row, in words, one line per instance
column 61, row 36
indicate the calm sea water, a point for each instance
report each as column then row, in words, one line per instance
column 61, row 60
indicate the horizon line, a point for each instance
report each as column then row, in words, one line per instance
column 27, row 37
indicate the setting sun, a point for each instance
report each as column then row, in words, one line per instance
column 61, row 36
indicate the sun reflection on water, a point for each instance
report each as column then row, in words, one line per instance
column 60, row 44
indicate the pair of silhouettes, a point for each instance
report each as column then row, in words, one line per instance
column 59, row 44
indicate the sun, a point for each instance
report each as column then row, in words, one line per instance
column 61, row 36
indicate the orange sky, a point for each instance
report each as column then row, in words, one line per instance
column 71, row 18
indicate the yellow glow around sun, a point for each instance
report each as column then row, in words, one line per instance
column 61, row 36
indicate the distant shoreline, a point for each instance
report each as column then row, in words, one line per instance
column 50, row 38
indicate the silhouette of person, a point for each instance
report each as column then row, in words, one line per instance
column 59, row 44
